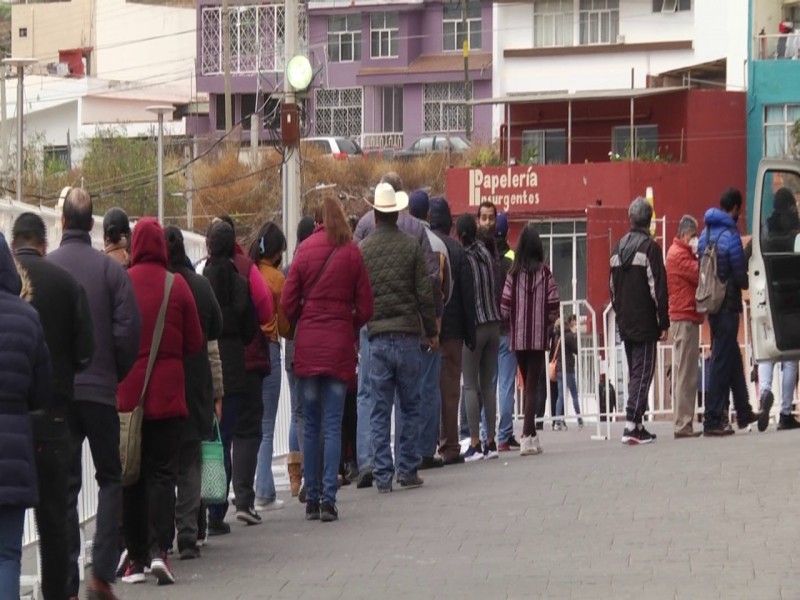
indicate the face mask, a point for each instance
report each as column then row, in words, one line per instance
column 693, row 243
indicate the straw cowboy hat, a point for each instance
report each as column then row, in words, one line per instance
column 389, row 201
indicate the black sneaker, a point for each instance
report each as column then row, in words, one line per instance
column 786, row 422
column 474, row 453
column 328, row 512
column 455, row 460
column 636, row 437
column 410, row 481
column 513, row 443
column 301, row 495
column 312, row 511
column 248, row 516
column 364, row 480
column 490, row 450
column 216, row 527
column 384, row 489
column 190, row 553
column 430, row 462
column 765, row 405
column 644, row 434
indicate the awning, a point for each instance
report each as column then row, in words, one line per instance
column 586, row 95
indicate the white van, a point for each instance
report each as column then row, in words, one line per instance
column 774, row 267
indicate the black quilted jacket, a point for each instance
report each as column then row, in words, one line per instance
column 400, row 285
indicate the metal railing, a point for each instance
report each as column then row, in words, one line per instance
column 778, row 46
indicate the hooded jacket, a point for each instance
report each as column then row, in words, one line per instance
column 115, row 315
column 530, row 307
column 683, row 275
column 720, row 228
column 182, row 336
column 66, row 320
column 24, row 386
column 639, row 287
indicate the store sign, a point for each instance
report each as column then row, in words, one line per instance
column 504, row 187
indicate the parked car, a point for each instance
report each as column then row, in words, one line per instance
column 435, row 143
column 381, row 153
column 340, row 148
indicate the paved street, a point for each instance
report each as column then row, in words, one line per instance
column 691, row 519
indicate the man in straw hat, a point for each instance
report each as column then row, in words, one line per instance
column 402, row 294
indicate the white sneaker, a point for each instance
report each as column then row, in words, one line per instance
column 530, row 446
column 276, row 504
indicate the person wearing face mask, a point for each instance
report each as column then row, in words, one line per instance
column 683, row 273
column 727, row 369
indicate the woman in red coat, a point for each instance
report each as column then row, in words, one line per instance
column 146, row 513
column 328, row 294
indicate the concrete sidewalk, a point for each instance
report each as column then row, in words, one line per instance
column 694, row 519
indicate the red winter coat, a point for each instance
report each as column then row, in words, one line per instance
column 182, row 337
column 339, row 304
column 683, row 275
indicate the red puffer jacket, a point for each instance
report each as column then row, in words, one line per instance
column 182, row 337
column 339, row 304
column 683, row 275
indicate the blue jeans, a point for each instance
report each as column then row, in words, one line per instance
column 394, row 368
column 572, row 386
column 12, row 522
column 430, row 401
column 364, row 403
column 295, row 425
column 270, row 395
column 506, row 376
column 323, row 407
column 788, row 382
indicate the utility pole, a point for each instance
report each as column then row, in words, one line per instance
column 20, row 64
column 187, row 157
column 467, row 95
column 4, row 129
column 226, row 65
column 291, row 167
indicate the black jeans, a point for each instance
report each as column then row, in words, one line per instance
column 541, row 397
column 149, row 504
column 349, row 430
column 52, row 446
column 99, row 423
column 187, row 505
column 727, row 372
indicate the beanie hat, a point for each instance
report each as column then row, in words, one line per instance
column 305, row 228
column 419, row 204
column 501, row 225
column 440, row 217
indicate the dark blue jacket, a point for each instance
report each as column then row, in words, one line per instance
column 115, row 315
column 720, row 228
column 24, row 386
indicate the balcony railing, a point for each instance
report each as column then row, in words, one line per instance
column 778, row 46
column 379, row 141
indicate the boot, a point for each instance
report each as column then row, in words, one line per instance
column 294, row 461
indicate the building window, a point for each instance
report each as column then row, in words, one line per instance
column 56, row 159
column 779, row 124
column 453, row 34
column 671, row 5
column 646, row 141
column 256, row 40
column 553, row 23
column 272, row 113
column 392, row 109
column 599, row 21
column 23, row 32
column 544, row 146
column 344, row 38
column 385, row 33
column 338, row 112
column 443, row 107
column 564, row 245
column 219, row 111
column 247, row 107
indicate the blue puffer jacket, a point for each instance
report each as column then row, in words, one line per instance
column 731, row 263
column 24, row 386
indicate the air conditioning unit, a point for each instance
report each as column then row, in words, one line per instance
column 620, row 39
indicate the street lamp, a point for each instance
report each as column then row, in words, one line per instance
column 20, row 64
column 319, row 187
column 161, row 110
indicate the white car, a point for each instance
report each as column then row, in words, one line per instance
column 341, row 148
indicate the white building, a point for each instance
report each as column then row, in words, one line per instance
column 590, row 45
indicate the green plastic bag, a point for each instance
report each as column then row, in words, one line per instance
column 213, row 481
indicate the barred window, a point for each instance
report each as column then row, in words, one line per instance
column 344, row 38
column 443, row 107
column 385, row 33
column 338, row 112
column 256, row 40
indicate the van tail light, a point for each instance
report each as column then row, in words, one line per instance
column 340, row 155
